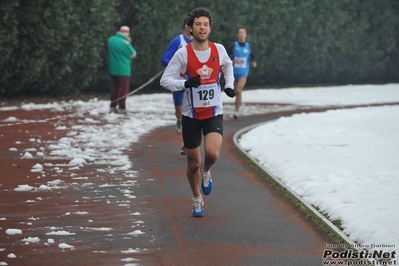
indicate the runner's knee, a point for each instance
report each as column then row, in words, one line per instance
column 211, row 156
column 193, row 165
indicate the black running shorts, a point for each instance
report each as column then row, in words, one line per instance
column 193, row 129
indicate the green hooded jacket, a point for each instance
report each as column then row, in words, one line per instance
column 120, row 53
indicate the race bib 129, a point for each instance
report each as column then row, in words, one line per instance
column 205, row 96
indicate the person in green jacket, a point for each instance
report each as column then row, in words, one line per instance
column 120, row 54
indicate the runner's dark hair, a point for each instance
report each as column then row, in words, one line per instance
column 199, row 12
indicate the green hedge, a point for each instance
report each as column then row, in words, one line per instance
column 53, row 47
column 58, row 47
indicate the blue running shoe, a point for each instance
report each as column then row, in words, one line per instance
column 206, row 183
column 198, row 208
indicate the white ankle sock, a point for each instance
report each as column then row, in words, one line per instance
column 199, row 198
column 204, row 172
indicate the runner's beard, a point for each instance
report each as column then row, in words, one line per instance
column 200, row 40
column 198, row 37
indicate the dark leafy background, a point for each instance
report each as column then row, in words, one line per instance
column 55, row 48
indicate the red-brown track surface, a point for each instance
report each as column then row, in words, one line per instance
column 246, row 222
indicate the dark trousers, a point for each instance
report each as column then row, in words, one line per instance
column 119, row 89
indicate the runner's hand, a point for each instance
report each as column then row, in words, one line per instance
column 230, row 92
column 192, row 82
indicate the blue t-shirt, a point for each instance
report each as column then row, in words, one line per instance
column 175, row 44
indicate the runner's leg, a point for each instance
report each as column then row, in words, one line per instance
column 238, row 88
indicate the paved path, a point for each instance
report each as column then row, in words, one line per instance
column 246, row 221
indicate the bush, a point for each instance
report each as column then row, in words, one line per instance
column 59, row 47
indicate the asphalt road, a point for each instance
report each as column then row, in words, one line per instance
column 246, row 221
